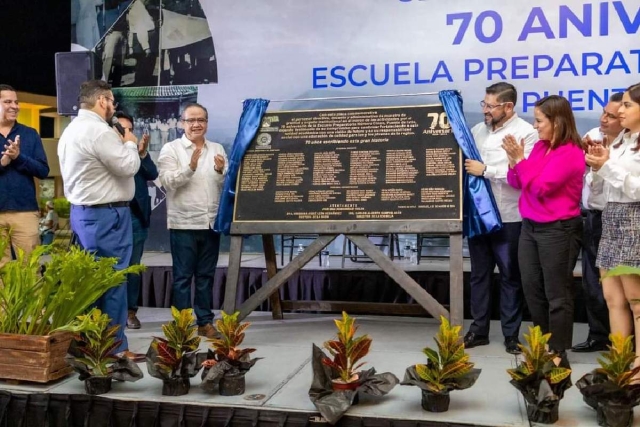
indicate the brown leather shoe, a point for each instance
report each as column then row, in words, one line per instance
column 208, row 331
column 132, row 320
column 136, row 357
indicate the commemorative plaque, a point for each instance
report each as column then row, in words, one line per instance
column 369, row 164
column 353, row 172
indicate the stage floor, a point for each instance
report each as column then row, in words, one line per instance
column 284, row 375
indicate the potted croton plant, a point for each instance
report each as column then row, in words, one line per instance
column 65, row 286
column 175, row 359
column 228, row 363
column 610, row 389
column 346, row 353
column 337, row 383
column 447, row 369
column 93, row 354
column 541, row 381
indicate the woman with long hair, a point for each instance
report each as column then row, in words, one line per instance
column 550, row 180
column 616, row 172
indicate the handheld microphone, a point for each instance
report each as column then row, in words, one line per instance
column 116, row 124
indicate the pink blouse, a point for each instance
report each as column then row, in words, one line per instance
column 551, row 183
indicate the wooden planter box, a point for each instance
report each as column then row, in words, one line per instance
column 34, row 358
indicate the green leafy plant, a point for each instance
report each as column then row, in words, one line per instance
column 37, row 302
column 538, row 360
column 62, row 207
column 226, row 347
column 97, row 342
column 610, row 389
column 181, row 338
column 617, row 363
column 449, row 363
column 541, row 382
column 347, row 350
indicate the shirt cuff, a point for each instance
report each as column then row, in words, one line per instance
column 189, row 172
column 131, row 144
column 490, row 172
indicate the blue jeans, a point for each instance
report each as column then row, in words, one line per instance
column 106, row 232
column 47, row 237
column 194, row 254
column 133, row 280
column 486, row 251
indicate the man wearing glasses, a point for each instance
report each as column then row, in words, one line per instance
column 501, row 247
column 192, row 170
column 140, row 216
column 98, row 165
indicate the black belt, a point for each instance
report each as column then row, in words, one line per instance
column 109, row 205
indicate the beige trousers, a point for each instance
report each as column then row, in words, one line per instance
column 24, row 233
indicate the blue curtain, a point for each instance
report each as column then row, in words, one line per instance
column 479, row 209
column 252, row 112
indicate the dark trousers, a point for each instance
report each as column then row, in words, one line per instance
column 195, row 254
column 133, row 280
column 547, row 255
column 597, row 311
column 486, row 251
column 106, row 232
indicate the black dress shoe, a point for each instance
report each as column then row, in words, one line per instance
column 511, row 345
column 472, row 340
column 589, row 346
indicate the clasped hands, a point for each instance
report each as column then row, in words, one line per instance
column 597, row 153
column 218, row 161
column 514, row 150
column 11, row 151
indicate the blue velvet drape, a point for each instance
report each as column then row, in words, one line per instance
column 252, row 112
column 480, row 212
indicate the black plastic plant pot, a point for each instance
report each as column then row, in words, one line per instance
column 97, row 385
column 590, row 401
column 435, row 402
column 175, row 387
column 610, row 415
column 547, row 416
column 232, row 384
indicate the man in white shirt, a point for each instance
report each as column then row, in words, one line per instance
column 501, row 247
column 192, row 171
column 593, row 204
column 98, row 165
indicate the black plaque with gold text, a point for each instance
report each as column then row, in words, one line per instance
column 369, row 164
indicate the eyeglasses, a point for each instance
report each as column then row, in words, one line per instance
column 199, row 120
column 113, row 101
column 491, row 107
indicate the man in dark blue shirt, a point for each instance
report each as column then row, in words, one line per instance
column 140, row 217
column 22, row 158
